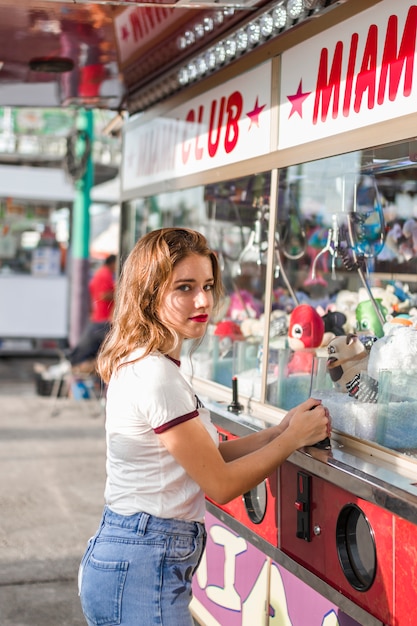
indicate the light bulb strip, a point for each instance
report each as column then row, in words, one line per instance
column 283, row 16
column 273, row 22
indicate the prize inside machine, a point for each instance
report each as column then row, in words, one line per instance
column 341, row 325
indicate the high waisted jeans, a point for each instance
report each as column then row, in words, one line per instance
column 137, row 571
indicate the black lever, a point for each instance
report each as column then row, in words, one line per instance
column 235, row 406
column 324, row 444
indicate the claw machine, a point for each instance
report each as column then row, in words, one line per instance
column 294, row 152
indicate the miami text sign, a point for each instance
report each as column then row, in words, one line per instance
column 358, row 73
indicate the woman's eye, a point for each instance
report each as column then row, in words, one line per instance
column 184, row 287
column 209, row 287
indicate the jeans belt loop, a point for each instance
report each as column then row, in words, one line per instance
column 142, row 524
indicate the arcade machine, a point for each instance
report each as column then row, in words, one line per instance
column 294, row 153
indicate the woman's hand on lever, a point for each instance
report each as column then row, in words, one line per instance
column 310, row 422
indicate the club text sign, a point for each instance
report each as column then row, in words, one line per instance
column 228, row 124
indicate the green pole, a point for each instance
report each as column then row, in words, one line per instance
column 83, row 175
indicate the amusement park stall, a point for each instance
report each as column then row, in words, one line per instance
column 298, row 160
column 34, row 286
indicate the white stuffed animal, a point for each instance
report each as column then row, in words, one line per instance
column 396, row 350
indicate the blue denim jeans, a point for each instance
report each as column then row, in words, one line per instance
column 137, row 571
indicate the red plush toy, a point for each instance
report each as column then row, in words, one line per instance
column 230, row 329
column 305, row 332
column 306, row 328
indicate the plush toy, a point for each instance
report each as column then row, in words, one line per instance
column 254, row 328
column 227, row 332
column 305, row 333
column 242, row 305
column 333, row 326
column 404, row 299
column 367, row 319
column 347, row 358
column 391, row 249
column 396, row 350
column 346, row 302
column 306, row 328
column 385, row 296
column 410, row 233
column 230, row 329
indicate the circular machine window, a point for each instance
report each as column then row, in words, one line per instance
column 255, row 503
column 356, row 547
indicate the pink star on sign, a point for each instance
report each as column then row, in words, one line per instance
column 297, row 100
column 255, row 113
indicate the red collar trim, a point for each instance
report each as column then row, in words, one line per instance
column 173, row 360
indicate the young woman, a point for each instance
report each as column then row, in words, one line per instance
column 163, row 453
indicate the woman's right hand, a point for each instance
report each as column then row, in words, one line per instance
column 309, row 423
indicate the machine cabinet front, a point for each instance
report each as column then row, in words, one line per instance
column 350, row 544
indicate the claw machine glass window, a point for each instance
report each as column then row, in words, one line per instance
column 236, row 225
column 346, row 236
column 234, row 216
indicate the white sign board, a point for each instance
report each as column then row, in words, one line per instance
column 357, row 73
column 227, row 124
column 34, row 306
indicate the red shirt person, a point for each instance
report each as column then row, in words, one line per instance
column 101, row 289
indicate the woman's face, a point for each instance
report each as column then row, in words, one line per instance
column 188, row 301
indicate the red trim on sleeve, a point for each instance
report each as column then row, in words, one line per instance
column 175, row 422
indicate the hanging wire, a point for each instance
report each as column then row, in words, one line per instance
column 256, row 246
column 279, row 270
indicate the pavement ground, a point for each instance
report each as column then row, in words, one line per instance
column 52, row 473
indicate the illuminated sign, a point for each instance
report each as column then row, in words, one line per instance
column 227, row 124
column 358, row 73
column 138, row 27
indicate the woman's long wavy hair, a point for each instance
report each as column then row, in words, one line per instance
column 141, row 287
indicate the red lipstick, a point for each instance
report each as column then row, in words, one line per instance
column 200, row 318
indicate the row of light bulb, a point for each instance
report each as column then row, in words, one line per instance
column 206, row 26
column 273, row 22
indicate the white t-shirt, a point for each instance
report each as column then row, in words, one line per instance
column 143, row 399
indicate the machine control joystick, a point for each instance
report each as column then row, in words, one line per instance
column 235, row 406
column 324, row 444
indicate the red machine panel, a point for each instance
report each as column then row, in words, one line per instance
column 405, row 572
column 257, row 509
column 345, row 540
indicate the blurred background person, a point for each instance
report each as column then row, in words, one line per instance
column 101, row 290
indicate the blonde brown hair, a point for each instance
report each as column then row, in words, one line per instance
column 143, row 281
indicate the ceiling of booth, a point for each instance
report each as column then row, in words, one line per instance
column 39, row 38
column 111, row 55
column 55, row 53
